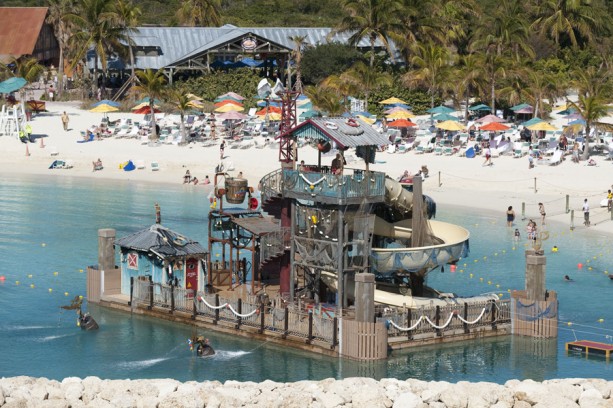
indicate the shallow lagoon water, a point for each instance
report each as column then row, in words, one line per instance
column 48, row 235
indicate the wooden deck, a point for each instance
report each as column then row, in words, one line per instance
column 590, row 348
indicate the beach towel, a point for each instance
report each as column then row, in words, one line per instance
column 89, row 139
column 129, row 166
column 470, row 153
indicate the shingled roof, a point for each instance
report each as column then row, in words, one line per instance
column 341, row 132
column 19, row 30
column 161, row 241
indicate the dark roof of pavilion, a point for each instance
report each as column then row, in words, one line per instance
column 161, row 241
column 338, row 130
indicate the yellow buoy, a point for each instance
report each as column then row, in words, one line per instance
column 504, row 251
column 481, row 279
column 465, row 265
column 513, row 248
column 16, row 282
column 56, row 273
column 570, row 323
column 489, row 282
column 485, row 257
column 43, row 244
column 80, row 270
column 30, row 276
column 471, row 275
column 50, row 290
column 65, row 293
column 495, row 253
column 32, row 285
column 600, row 320
column 81, row 297
column 497, row 285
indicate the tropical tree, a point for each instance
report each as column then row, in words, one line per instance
column 573, row 22
column 96, row 26
column 430, row 63
column 151, row 85
column 182, row 103
column 200, row 13
column 27, row 68
column 468, row 72
column 299, row 43
column 56, row 18
column 128, row 16
column 373, row 20
column 366, row 79
column 325, row 99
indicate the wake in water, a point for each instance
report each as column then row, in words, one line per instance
column 223, row 355
column 14, row 328
column 137, row 365
column 58, row 336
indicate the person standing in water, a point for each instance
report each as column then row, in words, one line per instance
column 542, row 212
column 510, row 216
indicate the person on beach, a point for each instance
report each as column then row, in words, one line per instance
column 576, row 153
column 542, row 212
column 206, row 180
column 187, row 178
column 488, row 156
column 195, row 180
column 586, row 213
column 97, row 165
column 516, row 235
column 609, row 200
column 337, row 164
column 240, row 175
column 222, row 147
column 510, row 216
column 65, row 120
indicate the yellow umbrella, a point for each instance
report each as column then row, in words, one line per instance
column 273, row 116
column 195, row 103
column 104, row 108
column 450, row 125
column 194, row 97
column 229, row 107
column 400, row 115
column 370, row 121
column 391, row 101
column 542, row 126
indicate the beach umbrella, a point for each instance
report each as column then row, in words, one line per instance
column 104, row 108
column 567, row 111
column 228, row 101
column 147, row 100
column 391, row 101
column 195, row 103
column 490, row 118
column 270, row 109
column 309, row 114
column 12, row 84
column 520, row 107
column 575, row 115
column 532, row 122
column 230, row 95
column 440, row 109
column 368, row 120
column 194, row 97
column 400, row 115
column 525, row 111
column 229, row 107
column 445, row 116
column 232, row 115
column 274, row 116
column 401, row 123
column 495, row 126
column 145, row 110
column 107, row 102
column 303, row 101
column 542, row 126
column 395, row 109
column 480, row 107
column 262, row 103
column 144, row 105
column 450, row 125
column 580, row 122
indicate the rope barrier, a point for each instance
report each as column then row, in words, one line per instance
column 229, row 306
column 431, row 323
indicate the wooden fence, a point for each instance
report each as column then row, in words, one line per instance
column 535, row 318
column 363, row 340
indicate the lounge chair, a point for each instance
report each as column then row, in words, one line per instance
column 140, row 164
column 155, row 166
column 555, row 159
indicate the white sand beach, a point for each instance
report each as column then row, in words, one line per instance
column 453, row 180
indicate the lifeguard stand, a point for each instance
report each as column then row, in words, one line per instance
column 12, row 120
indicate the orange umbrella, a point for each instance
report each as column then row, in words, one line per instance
column 270, row 109
column 401, row 123
column 494, row 126
column 227, row 101
column 145, row 110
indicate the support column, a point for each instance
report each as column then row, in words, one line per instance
column 106, row 252
column 535, row 274
column 365, row 297
column 340, row 301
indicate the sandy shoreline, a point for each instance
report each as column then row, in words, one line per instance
column 453, row 180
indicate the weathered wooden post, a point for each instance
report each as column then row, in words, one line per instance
column 365, row 297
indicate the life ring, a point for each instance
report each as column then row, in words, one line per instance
column 180, row 241
column 253, row 203
column 330, row 125
column 324, row 147
column 352, row 122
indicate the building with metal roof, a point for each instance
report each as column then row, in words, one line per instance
column 164, row 255
column 23, row 31
column 198, row 48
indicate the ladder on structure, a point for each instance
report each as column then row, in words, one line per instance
column 12, row 120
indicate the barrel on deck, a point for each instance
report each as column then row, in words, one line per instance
column 236, row 188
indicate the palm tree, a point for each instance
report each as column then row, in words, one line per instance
column 128, row 15
column 182, row 104
column 151, row 84
column 431, row 62
column 56, row 18
column 299, row 43
column 202, row 13
column 325, row 99
column 27, row 68
column 366, row 78
column 570, row 21
column 96, row 26
column 469, row 72
column 371, row 19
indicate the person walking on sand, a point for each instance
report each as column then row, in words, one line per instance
column 586, row 213
column 488, row 156
column 222, row 147
column 65, row 120
column 542, row 212
column 510, row 216
column 609, row 200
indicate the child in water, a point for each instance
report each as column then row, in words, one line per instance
column 517, row 235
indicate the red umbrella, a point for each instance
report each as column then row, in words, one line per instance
column 401, row 123
column 271, row 109
column 145, row 110
column 494, row 126
column 227, row 101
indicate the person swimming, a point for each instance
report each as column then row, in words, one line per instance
column 567, row 278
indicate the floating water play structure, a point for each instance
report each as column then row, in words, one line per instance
column 330, row 259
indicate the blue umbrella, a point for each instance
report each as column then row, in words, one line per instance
column 147, row 99
column 440, row 109
column 107, row 102
column 480, row 107
column 12, row 84
column 445, row 116
column 577, row 122
column 520, row 107
column 532, row 121
column 247, row 62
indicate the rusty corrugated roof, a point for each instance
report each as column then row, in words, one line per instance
column 19, row 29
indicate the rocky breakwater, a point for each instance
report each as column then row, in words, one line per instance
column 351, row 392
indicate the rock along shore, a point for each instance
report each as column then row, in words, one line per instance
column 351, row 392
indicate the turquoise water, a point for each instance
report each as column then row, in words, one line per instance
column 48, row 234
